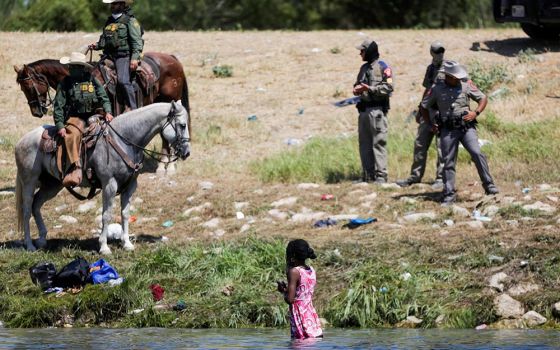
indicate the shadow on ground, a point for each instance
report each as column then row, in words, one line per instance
column 425, row 196
column 511, row 47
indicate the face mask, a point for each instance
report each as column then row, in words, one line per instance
column 116, row 15
column 437, row 59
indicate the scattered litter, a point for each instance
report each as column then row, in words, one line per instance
column 56, row 290
column 324, row 223
column 523, row 263
column 157, row 291
column 293, row 142
column 240, row 215
column 135, row 311
column 347, row 101
column 406, row 276
column 383, row 289
column 180, row 306
column 252, row 118
column 57, row 227
column 481, row 327
column 354, row 223
column 478, row 216
column 115, row 282
column 496, row 258
column 261, row 89
column 101, row 272
column 168, row 223
column 315, row 49
column 164, row 238
column 300, row 111
column 132, row 218
column 327, row 197
column 526, row 190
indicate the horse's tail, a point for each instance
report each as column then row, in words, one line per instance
column 19, row 200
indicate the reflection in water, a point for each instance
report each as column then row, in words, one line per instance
column 164, row 339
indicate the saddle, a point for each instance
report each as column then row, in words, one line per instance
column 52, row 143
column 147, row 74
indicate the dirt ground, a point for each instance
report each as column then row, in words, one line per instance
column 289, row 81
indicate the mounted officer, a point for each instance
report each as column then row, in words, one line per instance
column 374, row 85
column 77, row 97
column 457, row 123
column 121, row 41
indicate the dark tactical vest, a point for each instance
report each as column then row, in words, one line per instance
column 115, row 36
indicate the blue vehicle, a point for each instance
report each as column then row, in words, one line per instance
column 540, row 19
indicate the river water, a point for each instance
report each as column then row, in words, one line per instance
column 163, row 339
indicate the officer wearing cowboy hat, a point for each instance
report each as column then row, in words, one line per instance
column 121, row 41
column 457, row 123
column 425, row 134
column 78, row 96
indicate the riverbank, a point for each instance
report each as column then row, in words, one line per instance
column 267, row 145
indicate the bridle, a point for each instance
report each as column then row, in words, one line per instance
column 41, row 80
column 172, row 120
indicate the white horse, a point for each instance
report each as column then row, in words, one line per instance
column 116, row 159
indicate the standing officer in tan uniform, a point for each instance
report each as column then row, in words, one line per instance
column 425, row 134
column 374, row 85
column 457, row 123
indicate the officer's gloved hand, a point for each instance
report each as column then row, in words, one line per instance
column 62, row 132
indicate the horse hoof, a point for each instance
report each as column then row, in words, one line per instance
column 128, row 247
column 105, row 251
column 30, row 247
column 41, row 243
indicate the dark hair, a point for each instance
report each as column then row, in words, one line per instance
column 300, row 250
column 372, row 52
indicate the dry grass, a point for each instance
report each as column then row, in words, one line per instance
column 293, row 76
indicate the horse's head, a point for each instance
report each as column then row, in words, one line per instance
column 176, row 130
column 35, row 87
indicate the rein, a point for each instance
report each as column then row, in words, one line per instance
column 150, row 153
column 41, row 79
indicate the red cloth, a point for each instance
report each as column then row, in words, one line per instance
column 157, row 291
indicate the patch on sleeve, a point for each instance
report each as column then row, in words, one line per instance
column 429, row 92
column 388, row 72
column 136, row 24
column 472, row 86
column 390, row 80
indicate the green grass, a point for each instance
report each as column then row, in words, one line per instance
column 486, row 77
column 223, row 71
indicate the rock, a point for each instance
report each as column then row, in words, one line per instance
column 490, row 210
column 87, row 206
column 552, row 199
column 495, row 258
column 307, row 186
column 406, row 276
column 228, row 290
column 481, row 327
column 496, row 281
column 475, row 224
column 285, row 202
column 533, row 319
column 514, row 223
column 440, row 320
column 360, row 184
column 60, row 208
column 278, row 214
column 507, row 307
column 556, row 310
column 415, row 217
column 523, row 263
column 370, row 197
column 197, row 209
column 212, row 223
column 218, row 233
column 68, row 219
column 540, row 206
column 308, row 216
column 240, row 205
column 147, row 219
column 523, row 288
column 408, row 200
column 460, row 211
column 139, row 200
column 205, row 185
column 6, row 194
column 545, row 187
column 410, row 322
column 244, row 228
column 391, row 186
column 508, row 200
column 448, row 223
column 239, row 215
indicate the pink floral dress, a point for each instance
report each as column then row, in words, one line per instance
column 303, row 317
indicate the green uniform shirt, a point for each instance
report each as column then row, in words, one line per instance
column 452, row 101
column 433, row 74
column 122, row 37
column 78, row 96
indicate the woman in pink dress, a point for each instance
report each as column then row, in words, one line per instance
column 298, row 292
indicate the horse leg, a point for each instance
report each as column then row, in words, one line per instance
column 45, row 193
column 125, row 214
column 109, row 192
column 25, row 188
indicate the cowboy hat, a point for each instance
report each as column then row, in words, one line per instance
column 76, row 58
column 128, row 2
column 454, row 69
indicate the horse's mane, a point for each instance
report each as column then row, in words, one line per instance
column 46, row 63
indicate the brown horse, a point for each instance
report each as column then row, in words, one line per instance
column 35, row 79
